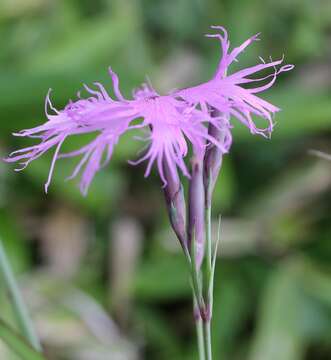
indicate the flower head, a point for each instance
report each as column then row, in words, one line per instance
column 175, row 122
column 226, row 94
column 98, row 113
column 173, row 126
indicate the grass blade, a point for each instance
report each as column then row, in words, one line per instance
column 16, row 343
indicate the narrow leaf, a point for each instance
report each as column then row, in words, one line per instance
column 16, row 343
column 212, row 275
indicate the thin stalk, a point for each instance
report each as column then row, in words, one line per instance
column 199, row 330
column 195, row 276
column 212, row 166
column 208, row 289
column 198, row 299
column 20, row 309
column 209, row 285
column 208, row 240
column 207, row 339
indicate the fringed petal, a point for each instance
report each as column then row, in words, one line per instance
column 225, row 93
column 98, row 113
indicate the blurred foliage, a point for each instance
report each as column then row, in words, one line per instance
column 272, row 292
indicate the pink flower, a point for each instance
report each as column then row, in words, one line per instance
column 196, row 117
column 171, row 124
column 98, row 113
column 225, row 92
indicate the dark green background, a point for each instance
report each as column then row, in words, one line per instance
column 113, row 248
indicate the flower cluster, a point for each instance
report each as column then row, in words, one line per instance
column 175, row 122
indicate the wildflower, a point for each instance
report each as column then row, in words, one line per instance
column 80, row 117
column 226, row 94
column 175, row 122
column 197, row 119
column 171, row 124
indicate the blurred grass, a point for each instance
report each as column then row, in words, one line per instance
column 272, row 297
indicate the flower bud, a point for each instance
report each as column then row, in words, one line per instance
column 175, row 201
column 214, row 155
column 196, row 226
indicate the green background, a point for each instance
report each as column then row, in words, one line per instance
column 103, row 274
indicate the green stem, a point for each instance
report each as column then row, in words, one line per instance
column 195, row 275
column 199, row 330
column 17, row 302
column 209, row 275
column 207, row 339
column 198, row 302
column 208, row 245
